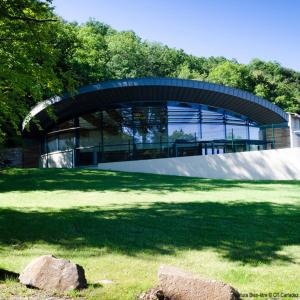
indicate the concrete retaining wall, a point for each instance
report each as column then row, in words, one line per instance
column 282, row 164
column 57, row 160
column 294, row 127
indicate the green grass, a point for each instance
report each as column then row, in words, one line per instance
column 122, row 226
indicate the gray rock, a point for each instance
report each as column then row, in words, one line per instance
column 52, row 274
column 179, row 285
column 153, row 294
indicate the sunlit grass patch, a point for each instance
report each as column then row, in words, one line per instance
column 122, row 226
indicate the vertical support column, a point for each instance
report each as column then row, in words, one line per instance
column 57, row 142
column 273, row 137
column 77, row 142
column 224, row 124
column 46, row 141
column 101, row 146
column 167, row 129
column 133, row 134
column 248, row 136
column 200, row 121
column 225, row 131
column 232, row 142
column 291, row 131
column 248, row 130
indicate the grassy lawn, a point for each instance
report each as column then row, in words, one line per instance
column 122, row 226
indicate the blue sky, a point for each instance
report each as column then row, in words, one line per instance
column 241, row 29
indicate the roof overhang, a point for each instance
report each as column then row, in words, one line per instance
column 113, row 93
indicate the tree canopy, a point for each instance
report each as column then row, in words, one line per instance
column 41, row 55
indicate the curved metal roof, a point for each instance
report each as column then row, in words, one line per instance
column 111, row 93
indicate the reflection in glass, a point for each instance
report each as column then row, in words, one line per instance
column 153, row 130
column 254, row 133
column 213, row 132
column 183, row 124
column 150, row 124
column 66, row 141
column 236, row 132
column 52, row 144
column 184, row 132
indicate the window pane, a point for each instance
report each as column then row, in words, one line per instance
column 236, row 132
column 90, row 134
column 52, row 143
column 184, row 132
column 212, row 116
column 183, row 124
column 254, row 133
column 89, row 138
column 66, row 141
column 150, row 124
column 116, row 127
column 213, row 132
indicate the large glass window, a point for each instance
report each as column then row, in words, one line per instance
column 212, row 127
column 150, row 124
column 236, row 131
column 66, row 141
column 211, row 115
column 183, row 124
column 213, row 131
column 52, row 143
column 90, row 130
column 117, row 135
column 254, row 133
column 117, row 126
column 150, row 131
column 153, row 130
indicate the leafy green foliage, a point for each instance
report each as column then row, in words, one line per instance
column 231, row 74
column 32, row 66
column 103, row 54
column 181, row 135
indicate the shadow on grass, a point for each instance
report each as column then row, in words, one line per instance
column 5, row 274
column 246, row 232
column 97, row 180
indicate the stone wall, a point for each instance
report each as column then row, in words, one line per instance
column 11, row 157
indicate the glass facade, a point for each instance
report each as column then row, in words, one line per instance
column 153, row 130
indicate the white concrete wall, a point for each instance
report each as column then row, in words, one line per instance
column 294, row 124
column 57, row 160
column 281, row 164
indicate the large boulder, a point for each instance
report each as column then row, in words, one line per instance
column 179, row 285
column 52, row 274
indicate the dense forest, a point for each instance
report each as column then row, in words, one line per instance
column 42, row 55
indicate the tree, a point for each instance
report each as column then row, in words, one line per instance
column 29, row 59
column 90, row 59
column 181, row 135
column 42, row 56
column 275, row 83
column 125, row 57
column 232, row 74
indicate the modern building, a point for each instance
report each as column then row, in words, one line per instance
column 147, row 118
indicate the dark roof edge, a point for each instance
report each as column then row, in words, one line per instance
column 152, row 81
